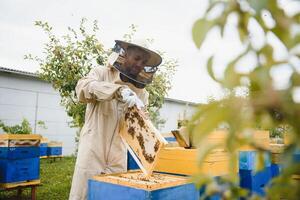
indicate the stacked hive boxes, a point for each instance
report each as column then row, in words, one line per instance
column 19, row 158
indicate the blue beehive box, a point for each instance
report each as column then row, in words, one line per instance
column 19, row 152
column 296, row 156
column 275, row 169
column 19, row 170
column 131, row 164
column 19, row 157
column 133, row 186
column 43, row 150
column 249, row 178
column 43, row 147
column 54, row 149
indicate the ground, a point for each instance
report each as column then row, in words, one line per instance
column 56, row 180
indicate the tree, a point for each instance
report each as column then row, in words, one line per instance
column 23, row 128
column 70, row 57
column 264, row 106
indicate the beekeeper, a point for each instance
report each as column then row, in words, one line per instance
column 108, row 90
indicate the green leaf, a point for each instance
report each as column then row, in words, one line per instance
column 200, row 29
column 231, row 77
column 295, row 79
column 210, row 69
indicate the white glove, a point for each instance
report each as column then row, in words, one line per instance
column 131, row 99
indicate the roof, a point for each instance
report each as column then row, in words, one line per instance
column 182, row 101
column 15, row 71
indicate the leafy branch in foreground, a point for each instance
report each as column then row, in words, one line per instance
column 265, row 105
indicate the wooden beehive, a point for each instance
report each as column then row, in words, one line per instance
column 178, row 160
column 54, row 149
column 15, row 146
column 184, row 161
column 134, row 185
column 260, row 138
column 19, row 157
column 141, row 138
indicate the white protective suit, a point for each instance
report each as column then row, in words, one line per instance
column 100, row 147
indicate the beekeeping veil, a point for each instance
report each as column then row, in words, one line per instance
column 146, row 75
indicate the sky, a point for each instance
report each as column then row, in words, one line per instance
column 168, row 22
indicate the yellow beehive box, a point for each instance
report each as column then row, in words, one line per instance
column 179, row 160
column 260, row 138
column 215, row 137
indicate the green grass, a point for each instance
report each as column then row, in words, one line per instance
column 55, row 178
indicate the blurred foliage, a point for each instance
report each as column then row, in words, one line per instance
column 263, row 106
column 23, row 128
column 70, row 57
column 159, row 88
column 279, row 131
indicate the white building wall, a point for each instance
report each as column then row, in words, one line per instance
column 23, row 96
column 28, row 97
column 172, row 110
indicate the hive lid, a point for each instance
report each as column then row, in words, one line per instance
column 20, row 137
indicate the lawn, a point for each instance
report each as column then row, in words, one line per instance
column 56, row 180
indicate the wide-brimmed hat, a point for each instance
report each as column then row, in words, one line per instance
column 154, row 60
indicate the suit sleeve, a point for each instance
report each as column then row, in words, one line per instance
column 93, row 87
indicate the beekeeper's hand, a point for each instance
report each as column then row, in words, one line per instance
column 131, row 99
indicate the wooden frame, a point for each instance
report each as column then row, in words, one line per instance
column 179, row 138
column 141, row 138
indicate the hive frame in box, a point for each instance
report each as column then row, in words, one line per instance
column 130, row 179
column 133, row 185
column 139, row 135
